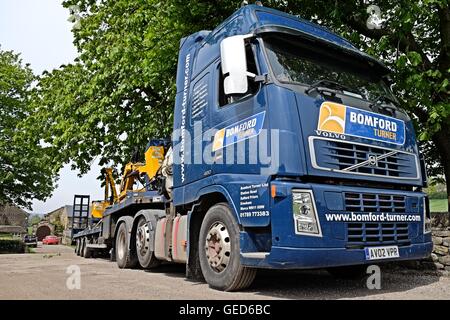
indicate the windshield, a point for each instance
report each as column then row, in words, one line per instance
column 300, row 62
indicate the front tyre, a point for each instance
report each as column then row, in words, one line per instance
column 145, row 254
column 219, row 251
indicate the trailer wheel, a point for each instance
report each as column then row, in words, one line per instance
column 124, row 257
column 87, row 252
column 78, row 247
column 82, row 245
column 219, row 251
column 348, row 272
column 145, row 254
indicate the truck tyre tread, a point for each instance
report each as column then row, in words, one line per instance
column 77, row 248
column 237, row 277
column 244, row 281
column 87, row 252
column 82, row 244
column 129, row 260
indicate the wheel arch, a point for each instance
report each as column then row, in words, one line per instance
column 206, row 198
column 148, row 214
column 217, row 192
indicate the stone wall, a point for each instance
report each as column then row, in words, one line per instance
column 441, row 241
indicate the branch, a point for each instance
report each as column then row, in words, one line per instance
column 444, row 26
column 422, row 114
column 405, row 43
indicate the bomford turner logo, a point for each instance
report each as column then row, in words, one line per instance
column 238, row 131
column 332, row 117
column 344, row 120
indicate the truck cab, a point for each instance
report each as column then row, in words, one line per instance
column 298, row 134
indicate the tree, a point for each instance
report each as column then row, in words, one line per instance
column 34, row 220
column 120, row 91
column 24, row 173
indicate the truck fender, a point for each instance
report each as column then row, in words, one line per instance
column 152, row 216
column 225, row 193
column 193, row 269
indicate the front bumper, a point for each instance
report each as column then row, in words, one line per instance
column 311, row 258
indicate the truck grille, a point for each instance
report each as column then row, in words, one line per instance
column 370, row 202
column 347, row 157
column 373, row 234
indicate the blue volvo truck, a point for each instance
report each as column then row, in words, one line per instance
column 289, row 151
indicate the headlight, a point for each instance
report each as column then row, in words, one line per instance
column 305, row 213
column 426, row 215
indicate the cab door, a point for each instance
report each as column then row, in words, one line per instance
column 236, row 122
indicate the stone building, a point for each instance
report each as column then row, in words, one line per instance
column 11, row 215
column 61, row 220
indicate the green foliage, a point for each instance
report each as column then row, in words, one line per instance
column 120, row 92
column 59, row 228
column 12, row 246
column 438, row 195
column 436, row 190
column 438, row 205
column 34, row 220
column 24, row 172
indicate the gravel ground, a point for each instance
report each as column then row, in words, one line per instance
column 42, row 275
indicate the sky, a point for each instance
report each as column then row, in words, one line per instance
column 40, row 32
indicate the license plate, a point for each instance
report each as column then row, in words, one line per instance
column 377, row 253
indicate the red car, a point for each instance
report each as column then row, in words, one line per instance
column 50, row 240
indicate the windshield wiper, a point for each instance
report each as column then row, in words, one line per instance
column 316, row 86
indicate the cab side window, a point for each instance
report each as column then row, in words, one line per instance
column 252, row 85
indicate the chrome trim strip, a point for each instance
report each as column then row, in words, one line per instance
column 362, row 164
column 314, row 164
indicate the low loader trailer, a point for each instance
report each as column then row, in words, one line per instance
column 289, row 151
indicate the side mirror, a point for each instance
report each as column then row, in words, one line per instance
column 234, row 64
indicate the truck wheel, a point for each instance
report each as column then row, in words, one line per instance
column 348, row 272
column 124, row 258
column 145, row 254
column 82, row 245
column 77, row 248
column 87, row 252
column 219, row 251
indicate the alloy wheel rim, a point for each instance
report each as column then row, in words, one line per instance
column 218, row 247
column 142, row 239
